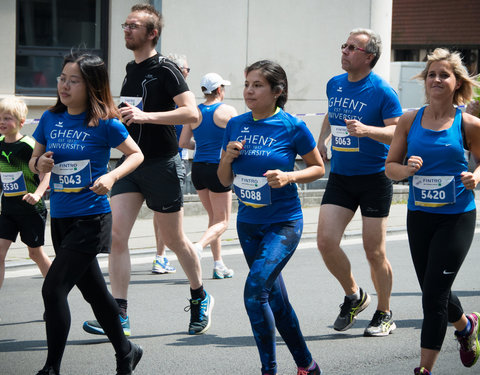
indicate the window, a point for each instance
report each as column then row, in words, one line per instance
column 47, row 30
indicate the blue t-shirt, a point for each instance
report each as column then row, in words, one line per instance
column 71, row 140
column 370, row 101
column 271, row 143
column 437, row 185
column 208, row 136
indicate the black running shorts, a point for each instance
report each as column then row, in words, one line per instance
column 31, row 228
column 160, row 182
column 373, row 193
column 85, row 234
column 204, row 176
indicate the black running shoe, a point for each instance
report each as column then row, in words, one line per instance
column 349, row 310
column 47, row 370
column 127, row 364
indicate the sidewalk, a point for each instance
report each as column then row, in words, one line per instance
column 142, row 239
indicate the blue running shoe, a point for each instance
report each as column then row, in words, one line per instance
column 161, row 265
column 94, row 327
column 200, row 314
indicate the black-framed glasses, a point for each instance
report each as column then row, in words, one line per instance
column 352, row 47
column 131, row 26
column 187, row 69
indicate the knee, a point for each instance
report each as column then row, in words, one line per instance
column 326, row 245
column 34, row 252
column 222, row 225
column 376, row 257
column 119, row 242
column 254, row 297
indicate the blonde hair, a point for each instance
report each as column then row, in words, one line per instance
column 465, row 92
column 14, row 106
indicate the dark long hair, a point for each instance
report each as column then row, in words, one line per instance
column 100, row 105
column 275, row 76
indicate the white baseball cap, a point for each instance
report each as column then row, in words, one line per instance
column 212, row 81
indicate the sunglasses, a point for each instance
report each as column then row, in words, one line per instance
column 352, row 48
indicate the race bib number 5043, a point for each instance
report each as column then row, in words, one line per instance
column 71, row 176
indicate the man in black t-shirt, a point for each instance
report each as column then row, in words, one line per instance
column 154, row 97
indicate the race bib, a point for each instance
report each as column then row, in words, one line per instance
column 136, row 101
column 342, row 141
column 433, row 191
column 252, row 191
column 13, row 184
column 71, row 176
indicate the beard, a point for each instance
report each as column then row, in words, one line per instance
column 136, row 43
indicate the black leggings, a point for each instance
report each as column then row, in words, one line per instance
column 73, row 267
column 439, row 244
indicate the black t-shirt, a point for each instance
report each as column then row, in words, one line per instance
column 157, row 81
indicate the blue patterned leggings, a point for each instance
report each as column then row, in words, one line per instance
column 267, row 249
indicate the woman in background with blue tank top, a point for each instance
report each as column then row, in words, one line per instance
column 259, row 152
column 441, row 207
column 207, row 142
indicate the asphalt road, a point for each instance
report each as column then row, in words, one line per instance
column 159, row 323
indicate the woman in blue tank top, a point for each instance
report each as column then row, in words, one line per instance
column 259, row 151
column 207, row 142
column 441, row 206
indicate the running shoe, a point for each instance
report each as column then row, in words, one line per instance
column 47, row 370
column 127, row 364
column 421, row 371
column 349, row 310
column 222, row 272
column 382, row 324
column 200, row 314
column 161, row 265
column 469, row 346
column 304, row 371
column 94, row 327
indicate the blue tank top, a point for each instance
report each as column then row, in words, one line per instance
column 437, row 186
column 208, row 136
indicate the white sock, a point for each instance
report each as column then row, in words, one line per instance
column 355, row 295
column 218, row 264
column 198, row 249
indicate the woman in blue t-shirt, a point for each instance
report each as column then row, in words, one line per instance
column 259, row 151
column 73, row 142
column 441, row 207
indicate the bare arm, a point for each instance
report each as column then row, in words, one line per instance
column 394, row 167
column 224, row 171
column 313, row 171
column 134, row 158
column 41, row 161
column 322, row 139
column 34, row 197
column 377, row 133
column 185, row 113
column 186, row 139
column 472, row 134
